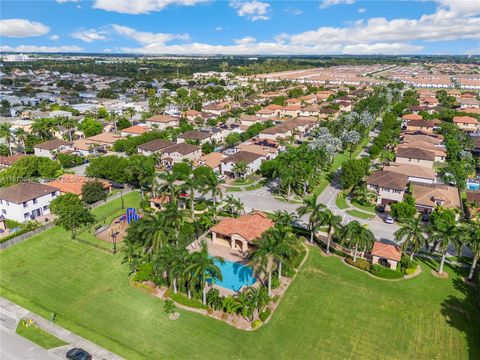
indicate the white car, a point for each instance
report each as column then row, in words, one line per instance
column 389, row 220
column 221, row 177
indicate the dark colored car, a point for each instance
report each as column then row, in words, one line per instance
column 116, row 185
column 381, row 208
column 78, row 354
column 425, row 217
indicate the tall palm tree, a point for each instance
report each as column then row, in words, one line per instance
column 471, row 237
column 412, row 234
column 332, row 221
column 213, row 186
column 283, row 217
column 151, row 232
column 233, row 206
column 169, row 186
column 70, row 125
column 443, row 235
column 203, row 267
column 174, row 219
column 21, row 136
column 313, row 209
column 191, row 184
column 357, row 236
column 7, row 134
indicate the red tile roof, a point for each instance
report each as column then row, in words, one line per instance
column 249, row 226
column 387, row 251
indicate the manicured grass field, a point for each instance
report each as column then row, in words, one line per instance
column 39, row 336
column 369, row 208
column 360, row 214
column 330, row 311
column 341, row 202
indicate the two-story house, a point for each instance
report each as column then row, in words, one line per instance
column 26, row 201
column 51, row 148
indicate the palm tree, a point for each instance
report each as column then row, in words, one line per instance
column 253, row 301
column 443, row 235
column 471, row 237
column 69, row 124
column 191, row 184
column 203, row 267
column 169, row 186
column 283, row 217
column 240, row 169
column 213, row 186
column 314, row 209
column 174, row 219
column 412, row 234
column 151, row 231
column 6, row 133
column 21, row 136
column 233, row 206
column 332, row 221
column 358, row 236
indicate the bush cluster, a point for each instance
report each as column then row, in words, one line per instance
column 386, row 273
column 361, row 264
column 265, row 315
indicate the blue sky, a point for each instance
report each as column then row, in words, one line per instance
column 241, row 27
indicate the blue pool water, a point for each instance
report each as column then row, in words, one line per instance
column 235, row 275
column 473, row 186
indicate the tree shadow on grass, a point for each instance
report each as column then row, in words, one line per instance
column 463, row 313
column 431, row 263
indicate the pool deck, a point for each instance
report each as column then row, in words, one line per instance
column 225, row 253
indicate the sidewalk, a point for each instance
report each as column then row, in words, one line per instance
column 10, row 315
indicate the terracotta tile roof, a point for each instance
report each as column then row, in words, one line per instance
column 428, row 194
column 246, row 156
column 387, row 251
column 156, row 145
column 136, row 129
column 474, row 196
column 162, row 118
column 7, row 161
column 211, row 160
column 182, row 149
column 421, row 123
column 408, row 138
column 464, row 120
column 411, row 170
column 71, row 183
column 249, row 226
column 414, row 153
column 195, row 135
column 106, row 138
column 21, row 192
column 388, row 180
column 160, row 199
column 424, row 145
column 412, row 117
column 53, row 144
column 192, row 113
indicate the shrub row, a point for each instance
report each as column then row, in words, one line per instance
column 182, row 299
column 385, row 273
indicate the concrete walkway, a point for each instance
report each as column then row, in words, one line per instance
column 11, row 314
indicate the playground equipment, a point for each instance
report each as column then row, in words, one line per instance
column 131, row 215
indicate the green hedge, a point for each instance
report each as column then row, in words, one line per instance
column 361, row 264
column 184, row 300
column 385, row 273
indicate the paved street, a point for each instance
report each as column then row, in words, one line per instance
column 16, row 348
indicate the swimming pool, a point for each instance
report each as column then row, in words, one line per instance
column 473, row 186
column 235, row 275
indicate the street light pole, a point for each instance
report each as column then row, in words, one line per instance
column 114, row 242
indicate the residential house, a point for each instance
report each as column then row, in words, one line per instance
column 439, row 150
column 51, row 148
column 469, row 103
column 162, row 122
column 409, row 155
column 429, row 196
column 241, row 233
column 212, row 160
column 154, row 147
column 134, row 130
column 180, row 152
column 388, row 255
column 26, row 201
column 413, row 172
column 467, row 123
column 422, row 125
column 73, row 184
column 8, row 161
column 200, row 136
column 389, row 186
column 252, row 160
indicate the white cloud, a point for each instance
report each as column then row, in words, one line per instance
column 372, row 36
column 141, row 6
column 218, row 28
column 293, row 11
column 22, row 28
column 362, row 10
column 328, row 3
column 245, row 40
column 65, row 1
column 252, row 10
column 90, row 35
column 382, row 48
column 42, row 49
column 147, row 38
column 54, row 37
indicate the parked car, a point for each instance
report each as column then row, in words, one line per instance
column 78, row 354
column 389, row 220
column 221, row 177
column 381, row 208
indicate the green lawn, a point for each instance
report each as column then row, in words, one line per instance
column 233, row 189
column 341, row 202
column 39, row 336
column 330, row 311
column 360, row 214
column 369, row 208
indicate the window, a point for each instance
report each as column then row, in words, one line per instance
column 26, row 215
column 25, row 204
column 54, row 193
column 35, row 201
column 45, row 208
column 1, row 202
column 4, row 212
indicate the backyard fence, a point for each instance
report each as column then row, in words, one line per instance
column 22, row 237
